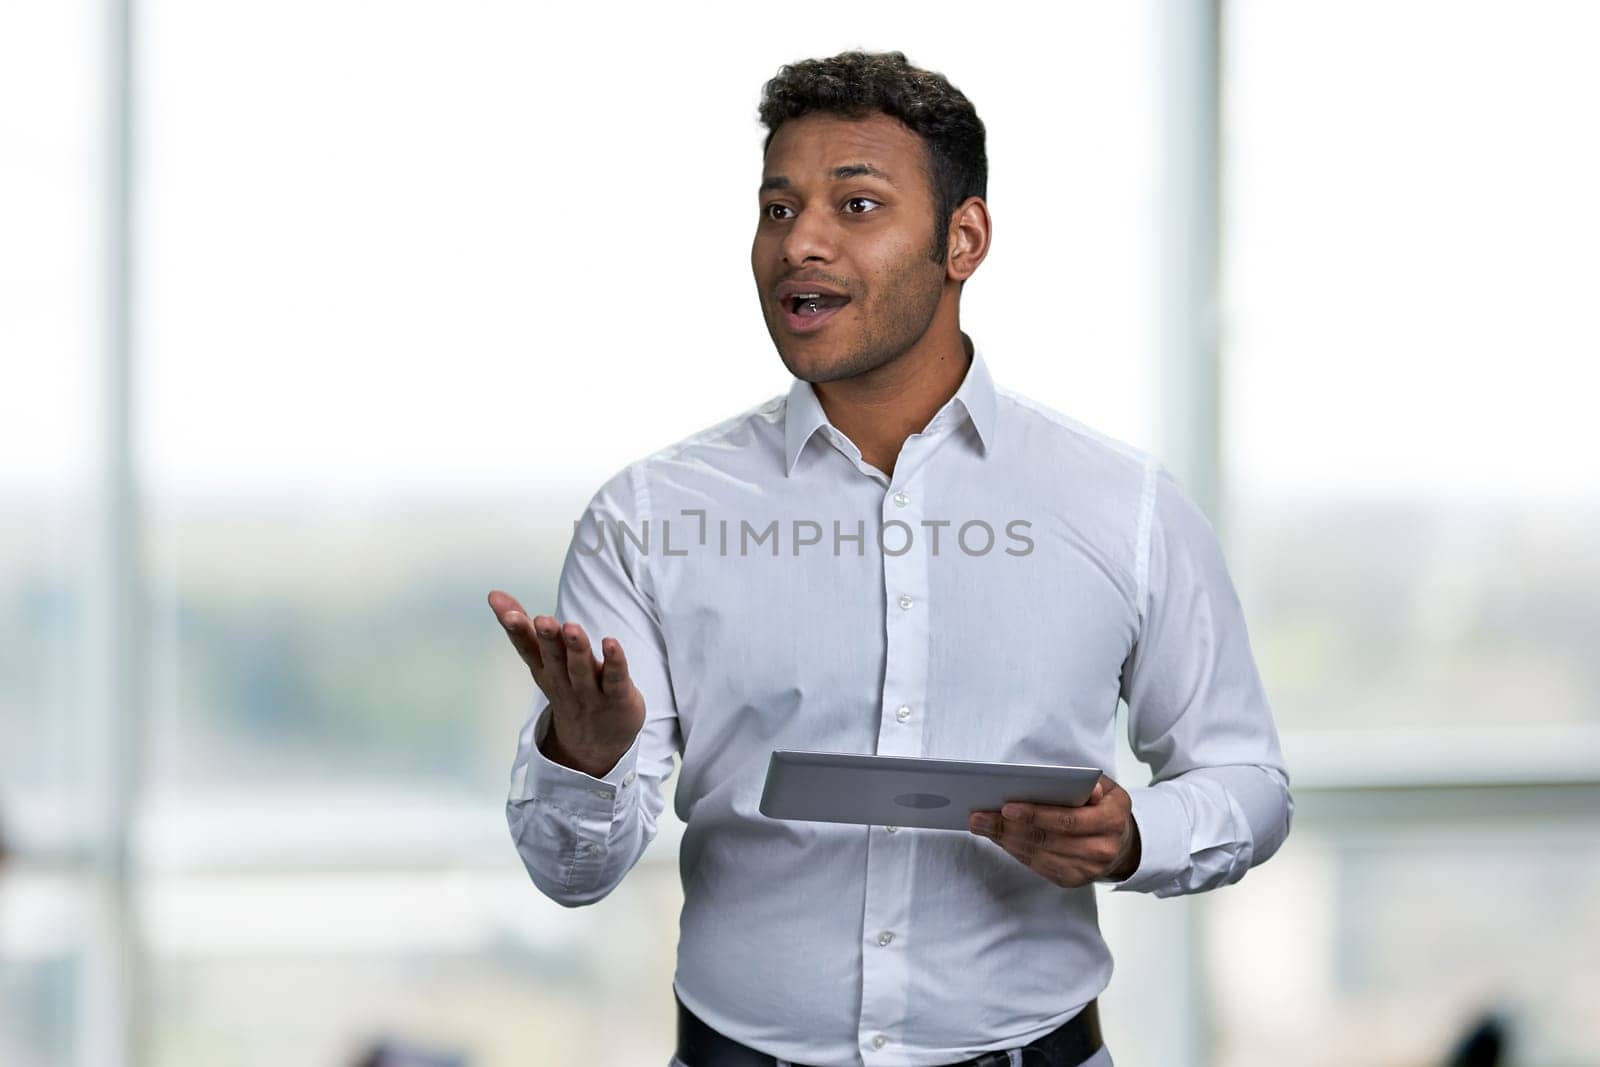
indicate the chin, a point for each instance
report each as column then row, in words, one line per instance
column 815, row 366
column 815, row 359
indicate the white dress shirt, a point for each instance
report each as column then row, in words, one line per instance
column 771, row 589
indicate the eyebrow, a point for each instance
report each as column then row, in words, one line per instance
column 849, row 170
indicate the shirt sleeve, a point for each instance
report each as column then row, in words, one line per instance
column 1218, row 802
column 579, row 835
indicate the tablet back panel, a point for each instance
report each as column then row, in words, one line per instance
column 910, row 791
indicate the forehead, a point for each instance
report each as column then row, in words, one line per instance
column 807, row 149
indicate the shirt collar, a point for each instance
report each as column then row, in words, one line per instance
column 803, row 414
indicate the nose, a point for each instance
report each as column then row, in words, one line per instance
column 811, row 236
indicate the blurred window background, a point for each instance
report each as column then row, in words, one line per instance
column 320, row 320
column 1412, row 476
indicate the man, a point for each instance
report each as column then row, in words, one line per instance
column 828, row 572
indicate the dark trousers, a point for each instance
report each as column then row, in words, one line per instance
column 1071, row 1044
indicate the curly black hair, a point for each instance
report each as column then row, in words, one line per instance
column 855, row 84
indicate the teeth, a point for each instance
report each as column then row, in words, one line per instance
column 802, row 302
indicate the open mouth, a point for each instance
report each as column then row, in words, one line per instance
column 808, row 312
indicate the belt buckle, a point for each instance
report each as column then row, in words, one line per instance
column 997, row 1058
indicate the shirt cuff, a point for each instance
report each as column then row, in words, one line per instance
column 572, row 790
column 1163, row 840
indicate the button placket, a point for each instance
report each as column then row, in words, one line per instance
column 890, row 887
column 905, row 584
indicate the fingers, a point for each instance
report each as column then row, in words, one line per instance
column 519, row 628
column 1022, row 840
column 502, row 602
column 614, row 679
column 510, row 612
column 1070, row 846
column 1065, row 871
column 1069, row 860
column 559, row 655
column 1049, row 826
column 507, row 610
column 580, row 662
column 552, row 674
column 1077, row 822
column 1104, row 788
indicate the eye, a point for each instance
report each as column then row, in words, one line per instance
column 766, row 211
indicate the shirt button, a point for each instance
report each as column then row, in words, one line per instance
column 902, row 713
column 891, row 829
column 885, row 937
column 901, row 499
column 603, row 794
column 905, row 603
column 879, row 1041
column 627, row 779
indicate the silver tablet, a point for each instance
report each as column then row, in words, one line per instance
column 938, row 794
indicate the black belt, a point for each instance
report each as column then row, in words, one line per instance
column 1066, row 1046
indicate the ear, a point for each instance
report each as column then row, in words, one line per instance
column 968, row 239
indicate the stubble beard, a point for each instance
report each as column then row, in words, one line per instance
column 906, row 310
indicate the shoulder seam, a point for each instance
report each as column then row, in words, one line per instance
column 641, row 508
column 1142, row 538
column 1146, row 461
column 638, row 470
column 641, row 492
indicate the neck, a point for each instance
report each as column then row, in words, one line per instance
column 878, row 410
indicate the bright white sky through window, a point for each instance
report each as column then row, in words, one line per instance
column 503, row 246
column 1412, row 235
column 443, row 249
